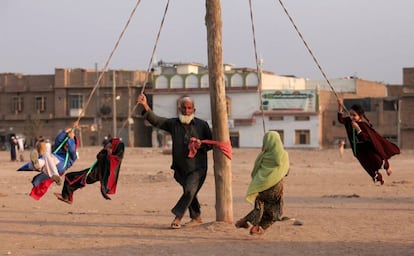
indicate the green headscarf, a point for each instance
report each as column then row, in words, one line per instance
column 271, row 165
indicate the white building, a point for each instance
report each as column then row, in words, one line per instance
column 288, row 107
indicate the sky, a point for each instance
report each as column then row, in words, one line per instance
column 372, row 40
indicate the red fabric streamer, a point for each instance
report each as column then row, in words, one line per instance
column 225, row 147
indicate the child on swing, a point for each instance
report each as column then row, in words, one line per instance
column 55, row 164
column 370, row 148
column 52, row 165
column 105, row 170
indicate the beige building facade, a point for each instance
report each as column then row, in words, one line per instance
column 41, row 105
column 406, row 102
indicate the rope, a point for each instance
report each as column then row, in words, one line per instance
column 90, row 169
column 354, row 140
column 61, row 144
column 150, row 63
column 309, row 50
column 259, row 73
column 67, row 152
column 108, row 60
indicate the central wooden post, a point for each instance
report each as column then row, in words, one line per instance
column 222, row 165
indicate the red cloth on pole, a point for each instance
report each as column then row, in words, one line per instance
column 224, row 147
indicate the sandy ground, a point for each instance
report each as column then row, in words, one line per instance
column 342, row 211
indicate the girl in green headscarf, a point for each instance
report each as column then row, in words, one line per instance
column 266, row 188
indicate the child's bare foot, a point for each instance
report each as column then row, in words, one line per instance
column 378, row 178
column 389, row 171
column 60, row 197
column 256, row 230
column 57, row 179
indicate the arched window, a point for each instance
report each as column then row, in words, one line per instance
column 177, row 82
column 252, row 80
column 204, row 81
column 236, row 80
column 161, row 82
column 191, row 81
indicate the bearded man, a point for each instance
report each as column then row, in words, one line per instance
column 189, row 172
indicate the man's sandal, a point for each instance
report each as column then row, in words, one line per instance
column 242, row 223
column 176, row 224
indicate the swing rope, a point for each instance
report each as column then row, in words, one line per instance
column 108, row 60
column 149, row 63
column 67, row 151
column 354, row 140
column 308, row 48
column 258, row 70
column 311, row 53
column 105, row 68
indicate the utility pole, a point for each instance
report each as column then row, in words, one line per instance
column 98, row 112
column 222, row 165
column 114, row 117
column 130, row 134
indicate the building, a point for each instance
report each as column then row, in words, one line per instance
column 303, row 111
column 36, row 105
column 406, row 103
column 287, row 109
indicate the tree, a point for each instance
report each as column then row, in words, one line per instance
column 32, row 127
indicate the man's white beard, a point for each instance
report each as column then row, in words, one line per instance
column 186, row 119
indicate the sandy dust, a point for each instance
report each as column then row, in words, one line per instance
column 342, row 211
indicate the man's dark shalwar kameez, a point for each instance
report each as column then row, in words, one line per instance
column 190, row 173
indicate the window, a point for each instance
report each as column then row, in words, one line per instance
column 236, row 80
column 177, row 82
column 252, row 79
column 75, row 101
column 75, row 104
column 17, row 104
column 302, row 118
column 390, row 105
column 40, row 104
column 191, row 81
column 235, row 139
column 161, row 82
column 302, row 137
column 275, row 118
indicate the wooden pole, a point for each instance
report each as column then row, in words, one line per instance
column 222, row 165
column 114, row 116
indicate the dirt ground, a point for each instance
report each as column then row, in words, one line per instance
column 343, row 212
